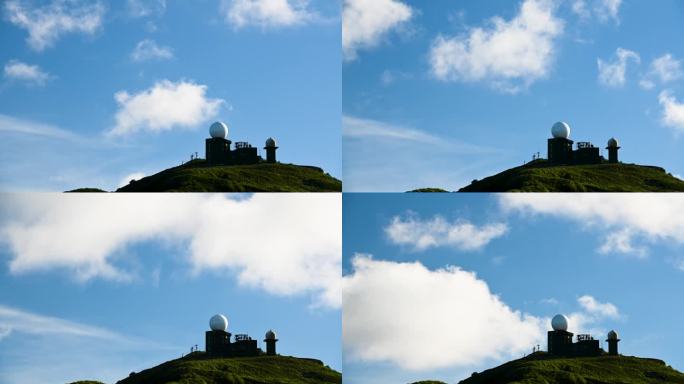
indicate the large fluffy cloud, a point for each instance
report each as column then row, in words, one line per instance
column 365, row 23
column 629, row 222
column 164, row 106
column 438, row 232
column 266, row 13
column 46, row 24
column 284, row 244
column 508, row 54
column 673, row 111
column 418, row 318
column 612, row 74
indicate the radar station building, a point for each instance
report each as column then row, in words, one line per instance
column 218, row 148
column 560, row 148
column 560, row 341
column 219, row 344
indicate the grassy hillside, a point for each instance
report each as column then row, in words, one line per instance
column 195, row 176
column 541, row 369
column 540, row 177
column 195, row 369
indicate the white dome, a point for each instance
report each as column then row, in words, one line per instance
column 270, row 335
column 218, row 130
column 560, row 130
column 559, row 323
column 270, row 142
column 218, row 323
column 612, row 335
column 613, row 142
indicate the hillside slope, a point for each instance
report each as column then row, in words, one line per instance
column 540, row 177
column 195, row 176
column 541, row 369
column 246, row 370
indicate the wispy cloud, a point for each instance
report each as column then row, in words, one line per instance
column 31, row 74
column 603, row 10
column 438, row 232
column 366, row 23
column 149, row 50
column 142, row 8
column 612, row 74
column 28, row 127
column 46, row 24
column 355, row 127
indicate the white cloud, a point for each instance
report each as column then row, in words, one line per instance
column 612, row 74
column 603, row 10
column 266, row 13
column 673, row 111
column 164, row 106
column 32, row 128
column 666, row 68
column 16, row 320
column 358, row 128
column 509, row 55
column 46, row 24
column 420, row 319
column 32, row 74
column 597, row 308
column 623, row 218
column 366, row 23
column 255, row 237
column 149, row 50
column 142, row 8
column 438, row 232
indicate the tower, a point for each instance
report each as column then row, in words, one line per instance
column 560, row 146
column 559, row 340
column 613, row 343
column 218, row 338
column 217, row 147
column 270, row 340
column 612, row 148
column 270, row 148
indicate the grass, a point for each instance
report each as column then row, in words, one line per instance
column 539, row 368
column 195, row 369
column 195, row 176
column 541, row 177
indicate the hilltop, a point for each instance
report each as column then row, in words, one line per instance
column 540, row 368
column 195, row 368
column 540, row 176
column 197, row 176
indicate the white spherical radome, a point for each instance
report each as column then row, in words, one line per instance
column 559, row 323
column 270, row 142
column 612, row 143
column 218, row 130
column 560, row 130
column 612, row 335
column 218, row 322
column 270, row 335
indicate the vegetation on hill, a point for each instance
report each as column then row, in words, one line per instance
column 87, row 190
column 87, row 382
column 429, row 190
column 196, row 176
column 539, row 176
column 540, row 368
column 195, row 369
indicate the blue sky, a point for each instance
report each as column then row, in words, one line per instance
column 439, row 93
column 92, row 93
column 437, row 287
column 112, row 296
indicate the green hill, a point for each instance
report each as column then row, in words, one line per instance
column 539, row 176
column 196, row 176
column 540, row 368
column 196, row 369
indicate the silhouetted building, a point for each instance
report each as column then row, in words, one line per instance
column 219, row 344
column 219, row 152
column 560, row 148
column 560, row 341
